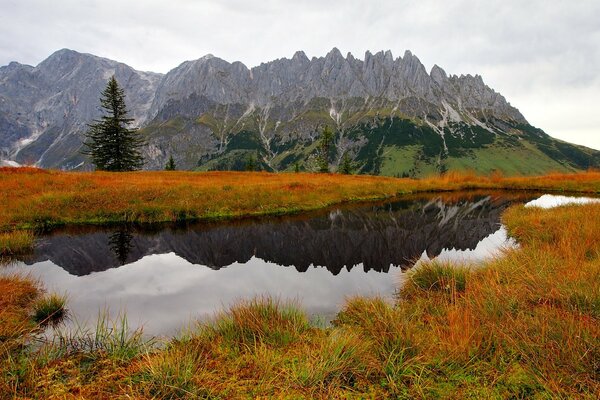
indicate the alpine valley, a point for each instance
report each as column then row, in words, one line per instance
column 389, row 115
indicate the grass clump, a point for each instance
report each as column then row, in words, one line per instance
column 50, row 309
column 17, row 294
column 341, row 359
column 110, row 338
column 175, row 373
column 15, row 242
column 261, row 320
column 435, row 276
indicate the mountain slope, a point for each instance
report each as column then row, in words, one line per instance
column 389, row 115
column 44, row 110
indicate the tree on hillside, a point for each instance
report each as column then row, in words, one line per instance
column 324, row 146
column 170, row 164
column 346, row 166
column 251, row 164
column 111, row 144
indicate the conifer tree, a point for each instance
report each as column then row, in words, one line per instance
column 251, row 163
column 346, row 166
column 170, row 164
column 324, row 145
column 111, row 144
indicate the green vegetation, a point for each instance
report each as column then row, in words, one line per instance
column 325, row 149
column 396, row 145
column 50, row 309
column 435, row 277
column 111, row 145
column 15, row 242
column 170, row 164
column 346, row 165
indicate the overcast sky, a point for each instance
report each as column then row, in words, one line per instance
column 542, row 55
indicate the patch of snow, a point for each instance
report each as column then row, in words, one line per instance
column 551, row 201
column 481, row 124
column 439, row 128
column 337, row 117
column 9, row 163
column 26, row 141
column 451, row 112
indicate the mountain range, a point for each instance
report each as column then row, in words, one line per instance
column 389, row 115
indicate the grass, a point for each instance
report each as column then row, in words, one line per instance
column 50, row 309
column 34, row 199
column 514, row 160
column 15, row 242
column 264, row 321
column 523, row 325
column 435, row 276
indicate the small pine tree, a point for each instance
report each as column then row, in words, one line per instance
column 110, row 143
column 251, row 163
column 296, row 167
column 324, row 146
column 170, row 164
column 346, row 166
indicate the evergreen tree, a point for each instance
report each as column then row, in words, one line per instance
column 170, row 164
column 296, row 167
column 346, row 166
column 110, row 143
column 251, row 163
column 324, row 145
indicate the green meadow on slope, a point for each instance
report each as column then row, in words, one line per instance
column 390, row 146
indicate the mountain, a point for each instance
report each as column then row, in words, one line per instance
column 44, row 110
column 389, row 115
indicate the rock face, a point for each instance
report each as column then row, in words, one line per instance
column 389, row 115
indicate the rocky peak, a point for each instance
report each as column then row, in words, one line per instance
column 300, row 57
column 335, row 54
column 438, row 75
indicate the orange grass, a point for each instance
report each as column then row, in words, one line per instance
column 33, row 198
column 16, row 298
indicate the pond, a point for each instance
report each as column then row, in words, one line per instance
column 165, row 277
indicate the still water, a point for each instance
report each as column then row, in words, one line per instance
column 168, row 276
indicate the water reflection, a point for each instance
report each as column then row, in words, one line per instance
column 165, row 277
column 376, row 237
column 120, row 244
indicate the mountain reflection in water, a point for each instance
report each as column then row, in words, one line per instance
column 379, row 236
column 168, row 276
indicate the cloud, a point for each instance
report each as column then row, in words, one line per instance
column 525, row 50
